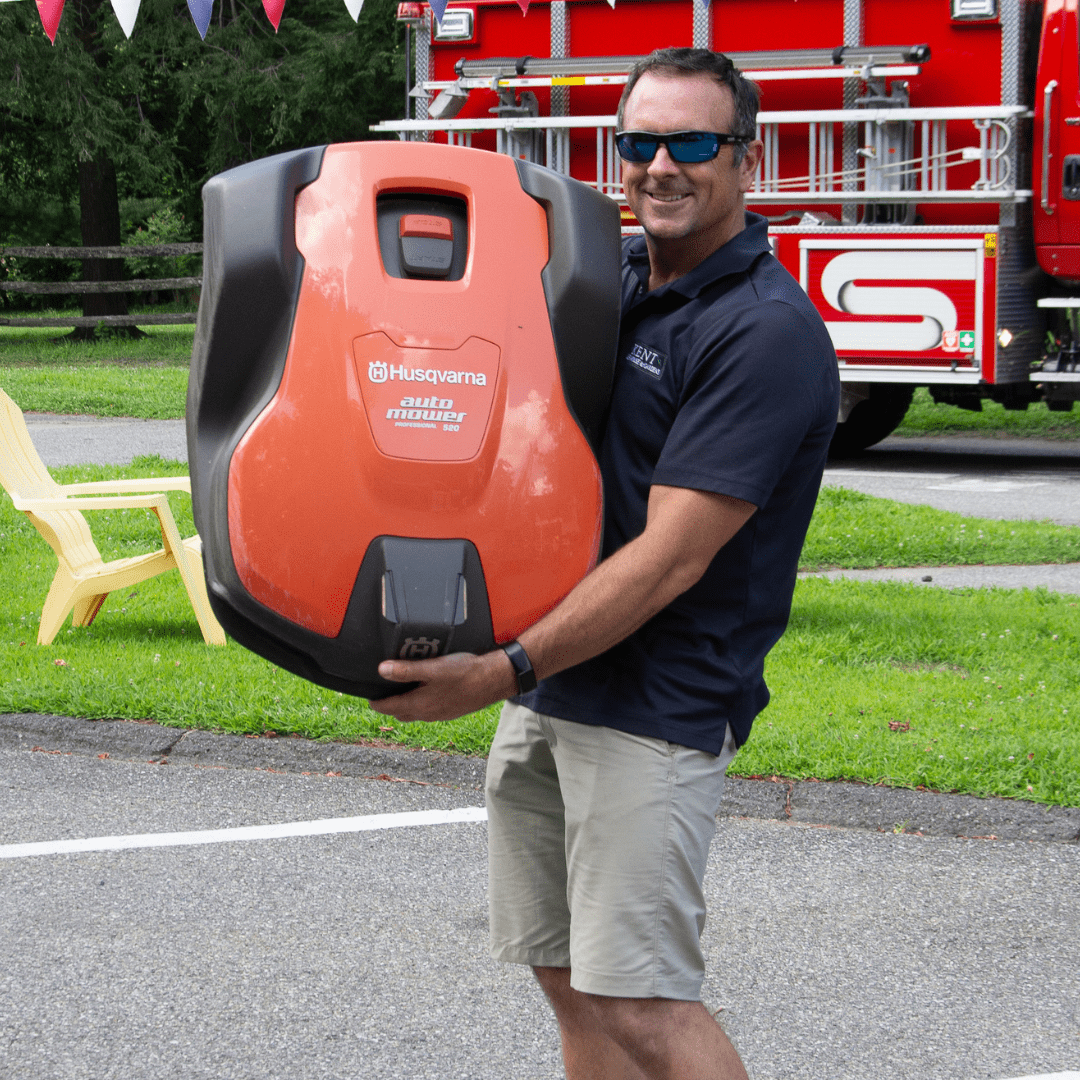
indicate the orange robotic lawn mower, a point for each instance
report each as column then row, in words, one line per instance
column 402, row 363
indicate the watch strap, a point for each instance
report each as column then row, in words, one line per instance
column 523, row 669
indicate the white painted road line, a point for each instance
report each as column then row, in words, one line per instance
column 327, row 826
column 1051, row 1076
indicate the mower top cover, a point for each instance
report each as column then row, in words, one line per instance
column 402, row 365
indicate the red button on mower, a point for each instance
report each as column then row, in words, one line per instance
column 402, row 364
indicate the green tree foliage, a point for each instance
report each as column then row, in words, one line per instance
column 168, row 110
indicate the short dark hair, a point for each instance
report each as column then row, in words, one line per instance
column 686, row 61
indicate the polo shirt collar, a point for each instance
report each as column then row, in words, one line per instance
column 735, row 257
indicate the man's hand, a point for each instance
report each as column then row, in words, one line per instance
column 450, row 686
column 684, row 531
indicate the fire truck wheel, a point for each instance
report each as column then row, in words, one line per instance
column 872, row 419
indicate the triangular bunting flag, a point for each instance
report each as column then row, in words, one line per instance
column 524, row 5
column 200, row 12
column 611, row 2
column 273, row 9
column 50, row 12
column 439, row 7
column 125, row 12
column 354, row 6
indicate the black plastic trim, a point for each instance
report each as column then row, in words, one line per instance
column 349, row 662
column 582, row 284
column 250, row 265
column 393, row 206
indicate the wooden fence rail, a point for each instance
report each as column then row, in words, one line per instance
column 73, row 288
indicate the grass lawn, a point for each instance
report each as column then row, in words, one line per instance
column 969, row 690
column 925, row 417
column 850, row 529
column 146, row 378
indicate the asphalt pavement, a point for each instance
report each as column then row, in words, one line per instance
column 1007, row 477
column 912, row 946
column 110, row 440
column 855, row 931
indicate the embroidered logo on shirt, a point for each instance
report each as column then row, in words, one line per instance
column 649, row 360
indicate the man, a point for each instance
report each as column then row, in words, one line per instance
column 604, row 781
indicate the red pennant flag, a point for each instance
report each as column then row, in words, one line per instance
column 273, row 9
column 524, row 5
column 50, row 12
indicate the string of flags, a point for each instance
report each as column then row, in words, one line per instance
column 126, row 11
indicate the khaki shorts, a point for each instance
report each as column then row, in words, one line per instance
column 597, row 847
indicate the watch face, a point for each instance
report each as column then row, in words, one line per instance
column 526, row 677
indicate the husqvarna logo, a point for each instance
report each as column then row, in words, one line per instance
column 419, row 648
column 379, row 372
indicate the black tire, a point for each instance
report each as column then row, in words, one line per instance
column 872, row 419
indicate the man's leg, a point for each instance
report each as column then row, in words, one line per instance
column 640, row 815
column 605, row 1038
column 589, row 1052
column 636, row 816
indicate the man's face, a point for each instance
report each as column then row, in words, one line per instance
column 674, row 202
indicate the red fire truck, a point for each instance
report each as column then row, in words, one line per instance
column 926, row 195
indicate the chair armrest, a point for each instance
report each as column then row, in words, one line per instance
column 101, row 502
column 149, row 483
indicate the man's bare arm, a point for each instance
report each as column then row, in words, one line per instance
column 684, row 530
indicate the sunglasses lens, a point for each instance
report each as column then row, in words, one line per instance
column 687, row 147
column 636, row 148
column 693, row 148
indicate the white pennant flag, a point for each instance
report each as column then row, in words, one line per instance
column 125, row 11
column 354, row 7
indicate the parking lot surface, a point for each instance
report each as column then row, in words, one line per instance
column 846, row 952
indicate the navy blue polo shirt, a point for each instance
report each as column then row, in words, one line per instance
column 726, row 381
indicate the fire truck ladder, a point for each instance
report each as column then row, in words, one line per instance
column 905, row 154
column 843, row 62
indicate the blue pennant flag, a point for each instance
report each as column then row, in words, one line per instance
column 439, row 7
column 200, row 12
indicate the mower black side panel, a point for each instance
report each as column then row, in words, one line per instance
column 582, row 281
column 250, row 265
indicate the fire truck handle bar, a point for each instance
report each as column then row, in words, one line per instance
column 1048, row 97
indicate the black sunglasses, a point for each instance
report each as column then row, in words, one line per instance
column 685, row 147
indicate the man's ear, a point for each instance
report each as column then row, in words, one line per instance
column 749, row 164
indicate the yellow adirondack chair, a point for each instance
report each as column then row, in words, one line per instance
column 83, row 580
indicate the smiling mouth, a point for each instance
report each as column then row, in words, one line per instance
column 659, row 197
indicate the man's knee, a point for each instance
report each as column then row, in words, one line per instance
column 642, row 1022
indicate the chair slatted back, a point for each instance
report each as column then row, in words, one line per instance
column 23, row 473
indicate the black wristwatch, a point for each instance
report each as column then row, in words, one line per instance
column 526, row 677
